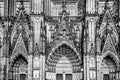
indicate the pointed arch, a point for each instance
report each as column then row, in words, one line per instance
column 109, row 65
column 15, row 56
column 112, row 55
column 109, row 49
column 18, row 65
column 67, row 44
column 63, row 50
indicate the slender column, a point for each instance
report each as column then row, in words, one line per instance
column 31, row 41
column 30, row 67
column 1, row 53
column 86, row 61
column 42, row 67
column 7, row 68
column 98, row 64
column 50, row 8
column 119, row 11
column 12, row 7
column 64, row 76
column 119, row 7
column 87, row 68
column 1, row 77
column 32, row 6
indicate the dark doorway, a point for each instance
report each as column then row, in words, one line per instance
column 105, row 76
column 68, row 77
column 59, row 76
column 22, row 76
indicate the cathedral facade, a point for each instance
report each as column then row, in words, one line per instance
column 59, row 40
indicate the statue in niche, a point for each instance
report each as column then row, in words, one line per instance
column 36, row 52
column 63, row 15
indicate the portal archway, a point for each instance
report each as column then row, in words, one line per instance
column 63, row 63
column 109, row 68
column 19, row 69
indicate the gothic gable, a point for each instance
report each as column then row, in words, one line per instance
column 107, row 21
column 19, row 47
column 107, row 17
column 109, row 46
column 108, row 26
column 21, row 24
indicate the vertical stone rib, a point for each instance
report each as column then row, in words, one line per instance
column 47, row 7
column 31, row 5
column 90, row 6
column 6, row 7
column 35, row 7
column 12, row 6
column 39, row 3
column 50, row 7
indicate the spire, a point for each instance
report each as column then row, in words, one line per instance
column 64, row 12
column 64, row 5
column 106, row 5
column 21, row 5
